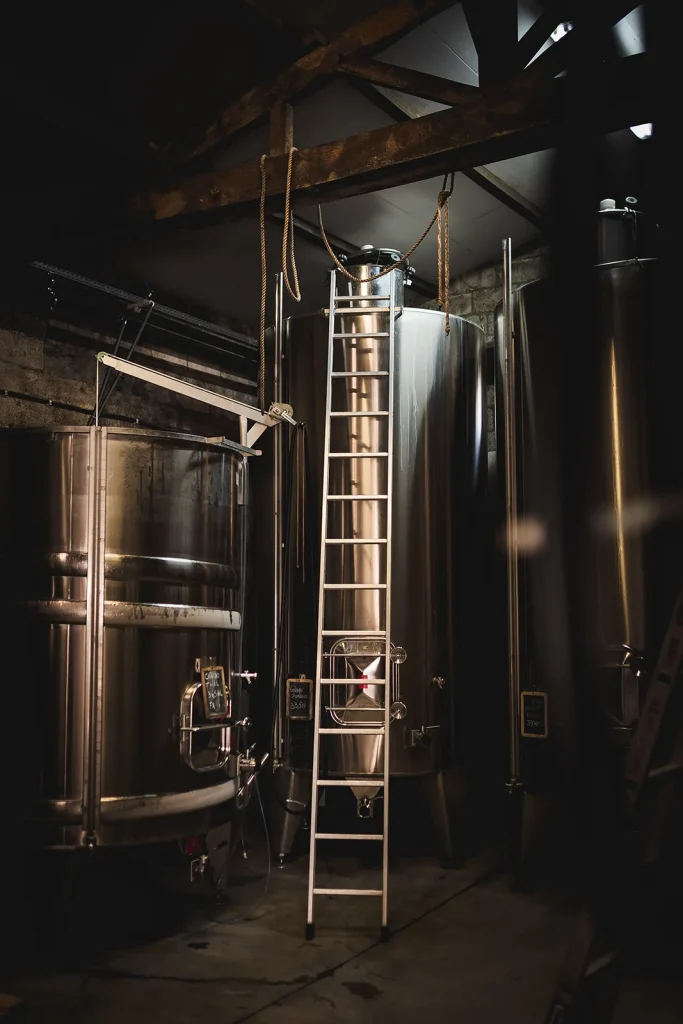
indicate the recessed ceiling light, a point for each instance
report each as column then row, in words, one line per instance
column 643, row 131
column 561, row 31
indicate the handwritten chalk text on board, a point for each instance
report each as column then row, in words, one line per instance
column 215, row 693
column 534, row 714
column 300, row 699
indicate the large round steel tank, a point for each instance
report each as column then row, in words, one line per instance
column 627, row 588
column 120, row 557
column 440, row 527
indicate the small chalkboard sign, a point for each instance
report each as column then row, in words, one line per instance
column 215, row 692
column 300, row 699
column 534, row 714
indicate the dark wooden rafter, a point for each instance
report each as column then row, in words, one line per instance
column 281, row 129
column 377, row 30
column 506, row 194
column 520, row 118
column 405, row 107
column 417, row 83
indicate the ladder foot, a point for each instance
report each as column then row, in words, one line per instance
column 310, row 931
column 384, row 934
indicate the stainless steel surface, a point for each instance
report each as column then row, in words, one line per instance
column 130, row 613
column 621, row 514
column 279, row 696
column 511, row 511
column 137, row 808
column 288, row 806
column 172, row 562
column 440, row 556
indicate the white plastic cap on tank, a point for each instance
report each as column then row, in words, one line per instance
column 366, row 248
column 608, row 204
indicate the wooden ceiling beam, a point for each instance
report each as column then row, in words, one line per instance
column 402, row 107
column 521, row 118
column 417, row 83
column 379, row 29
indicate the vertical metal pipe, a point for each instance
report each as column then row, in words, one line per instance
column 278, row 568
column 92, row 747
column 511, row 514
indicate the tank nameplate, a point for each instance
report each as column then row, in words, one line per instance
column 215, row 692
column 300, row 700
column 534, row 714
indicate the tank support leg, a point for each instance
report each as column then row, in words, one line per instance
column 436, row 798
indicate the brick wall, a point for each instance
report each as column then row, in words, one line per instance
column 475, row 294
column 56, row 363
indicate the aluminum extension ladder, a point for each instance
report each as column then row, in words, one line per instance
column 341, row 305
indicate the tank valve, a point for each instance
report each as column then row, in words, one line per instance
column 421, row 737
column 365, row 807
column 247, row 676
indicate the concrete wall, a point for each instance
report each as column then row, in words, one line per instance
column 44, row 360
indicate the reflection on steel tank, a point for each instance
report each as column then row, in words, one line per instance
column 622, row 510
column 442, row 548
column 120, row 555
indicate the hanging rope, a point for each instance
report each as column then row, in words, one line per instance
column 288, row 259
column 288, row 229
column 443, row 249
column 441, row 204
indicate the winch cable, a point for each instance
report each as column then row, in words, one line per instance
column 288, row 258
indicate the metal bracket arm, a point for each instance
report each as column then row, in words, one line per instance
column 247, row 413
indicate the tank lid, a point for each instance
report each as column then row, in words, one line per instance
column 608, row 204
column 370, row 255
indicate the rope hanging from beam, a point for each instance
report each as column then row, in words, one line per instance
column 443, row 249
column 288, row 258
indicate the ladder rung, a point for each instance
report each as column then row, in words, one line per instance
column 372, row 412
column 358, row 455
column 349, row 835
column 351, row 782
column 351, row 682
column 347, row 892
column 360, row 373
column 360, row 334
column 363, row 298
column 350, row 730
column 357, row 497
column 354, row 586
column 355, row 540
column 361, row 710
column 352, row 632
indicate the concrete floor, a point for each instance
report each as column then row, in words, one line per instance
column 465, row 948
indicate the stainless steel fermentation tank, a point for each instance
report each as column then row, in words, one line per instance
column 120, row 556
column 627, row 589
column 441, row 551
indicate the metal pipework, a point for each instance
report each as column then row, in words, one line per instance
column 278, row 694
column 94, row 626
column 514, row 687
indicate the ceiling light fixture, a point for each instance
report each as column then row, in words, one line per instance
column 642, row 131
column 561, row 31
